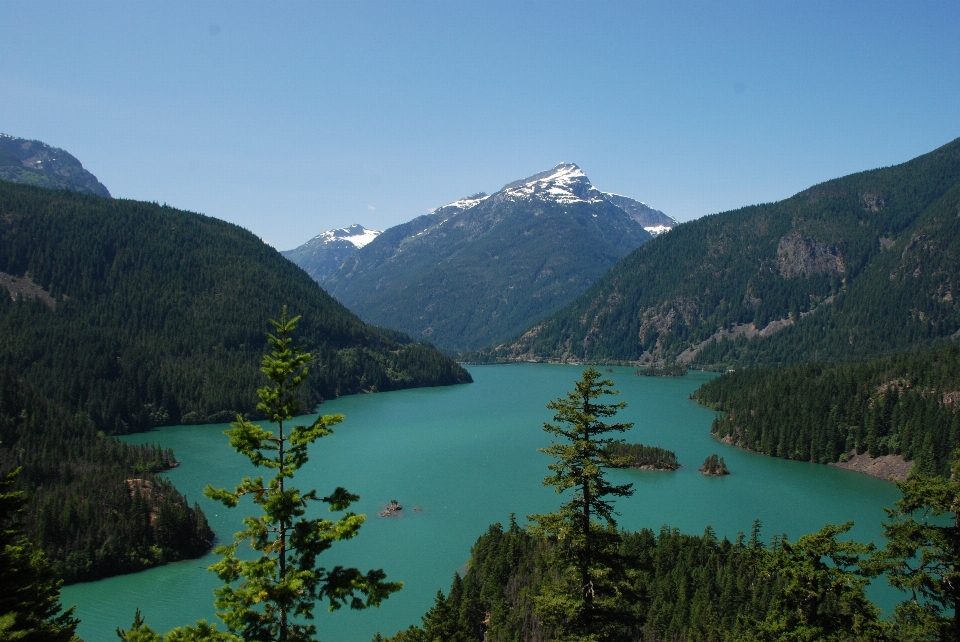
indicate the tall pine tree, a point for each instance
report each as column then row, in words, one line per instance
column 587, row 598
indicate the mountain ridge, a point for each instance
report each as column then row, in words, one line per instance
column 482, row 267
column 856, row 267
column 33, row 162
column 324, row 253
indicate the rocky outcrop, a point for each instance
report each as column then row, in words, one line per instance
column 798, row 257
column 24, row 286
column 886, row 467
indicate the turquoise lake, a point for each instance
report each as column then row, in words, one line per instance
column 467, row 456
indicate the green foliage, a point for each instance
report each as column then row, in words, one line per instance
column 158, row 314
column 96, row 507
column 640, row 456
column 904, row 405
column 278, row 589
column 820, row 592
column 714, row 465
column 30, row 599
column 862, row 266
column 922, row 555
column 464, row 279
column 584, row 600
column 682, row 587
column 202, row 632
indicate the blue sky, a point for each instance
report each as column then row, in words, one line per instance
column 294, row 118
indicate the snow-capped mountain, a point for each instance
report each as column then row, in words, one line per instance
column 483, row 268
column 566, row 183
column 325, row 252
column 357, row 235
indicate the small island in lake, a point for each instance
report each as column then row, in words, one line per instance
column 714, row 466
column 667, row 370
column 643, row 457
column 393, row 509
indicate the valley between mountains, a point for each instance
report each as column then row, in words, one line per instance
column 834, row 316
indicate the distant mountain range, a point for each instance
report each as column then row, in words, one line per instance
column 34, row 163
column 323, row 254
column 854, row 268
column 482, row 268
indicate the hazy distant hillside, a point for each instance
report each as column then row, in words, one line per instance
column 323, row 254
column 34, row 163
column 482, row 268
column 144, row 315
column 856, row 267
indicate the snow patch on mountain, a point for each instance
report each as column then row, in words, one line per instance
column 355, row 234
column 657, row 230
column 465, row 203
column 566, row 183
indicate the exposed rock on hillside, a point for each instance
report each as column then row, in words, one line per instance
column 887, row 467
column 799, row 257
column 34, row 163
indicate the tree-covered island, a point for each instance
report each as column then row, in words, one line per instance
column 642, row 457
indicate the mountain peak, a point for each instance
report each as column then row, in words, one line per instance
column 356, row 234
column 35, row 163
column 565, row 183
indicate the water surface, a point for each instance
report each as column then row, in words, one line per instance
column 467, row 456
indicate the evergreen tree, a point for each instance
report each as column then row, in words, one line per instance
column 823, row 590
column 283, row 584
column 30, row 608
column 922, row 555
column 585, row 601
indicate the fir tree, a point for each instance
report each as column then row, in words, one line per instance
column 822, row 594
column 586, row 600
column 278, row 589
column 30, row 608
column 922, row 555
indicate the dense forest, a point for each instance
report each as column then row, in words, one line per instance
column 96, row 506
column 858, row 267
column 141, row 315
column 684, row 587
column 904, row 405
column 640, row 456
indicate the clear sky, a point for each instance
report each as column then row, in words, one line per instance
column 294, row 118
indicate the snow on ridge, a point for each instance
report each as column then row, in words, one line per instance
column 466, row 203
column 355, row 234
column 560, row 184
column 362, row 239
column 657, row 230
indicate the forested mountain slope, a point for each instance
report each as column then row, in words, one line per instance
column 94, row 505
column 905, row 405
column 35, row 163
column 141, row 315
column 856, row 267
column 483, row 268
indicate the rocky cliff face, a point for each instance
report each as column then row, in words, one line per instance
column 34, row 163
